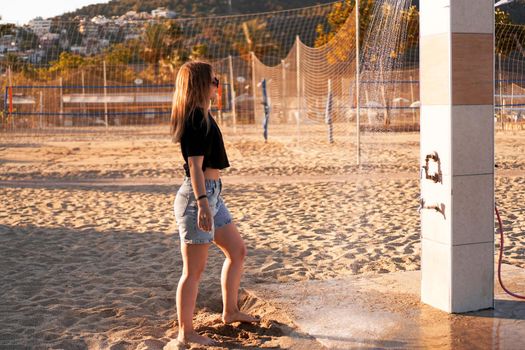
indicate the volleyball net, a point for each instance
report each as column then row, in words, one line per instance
column 317, row 85
column 101, row 73
column 510, row 78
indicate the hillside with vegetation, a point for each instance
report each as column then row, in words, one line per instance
column 190, row 8
column 154, row 49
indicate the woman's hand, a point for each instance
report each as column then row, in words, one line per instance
column 204, row 218
column 198, row 182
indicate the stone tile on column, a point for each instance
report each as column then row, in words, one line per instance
column 436, row 135
column 434, row 17
column 437, row 226
column 464, row 21
column 473, row 277
column 435, row 74
column 472, row 60
column 473, row 209
column 436, row 280
column 472, row 139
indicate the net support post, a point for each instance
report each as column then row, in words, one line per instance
column 105, row 94
column 298, row 82
column 328, row 117
column 412, row 100
column 284, row 109
column 233, row 95
column 357, row 85
column 61, row 82
column 254, row 83
column 457, row 152
column 41, row 109
column 10, row 96
column 501, row 106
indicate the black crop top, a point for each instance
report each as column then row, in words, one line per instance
column 196, row 140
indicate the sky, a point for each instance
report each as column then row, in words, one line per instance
column 21, row 11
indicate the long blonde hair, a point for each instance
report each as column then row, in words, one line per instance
column 192, row 90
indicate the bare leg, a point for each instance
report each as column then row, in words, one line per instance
column 194, row 257
column 230, row 242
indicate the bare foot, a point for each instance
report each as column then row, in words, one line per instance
column 239, row 317
column 193, row 337
column 174, row 344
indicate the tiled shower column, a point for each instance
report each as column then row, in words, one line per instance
column 457, row 150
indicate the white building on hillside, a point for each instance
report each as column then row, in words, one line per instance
column 135, row 16
column 40, row 26
column 100, row 20
column 88, row 29
column 49, row 37
column 163, row 12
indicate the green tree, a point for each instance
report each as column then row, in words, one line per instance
column 508, row 37
column 501, row 17
column 119, row 54
column 198, row 52
column 6, row 29
column 67, row 61
column 257, row 38
column 338, row 16
column 13, row 61
column 119, row 59
column 336, row 21
column 160, row 40
column 67, row 65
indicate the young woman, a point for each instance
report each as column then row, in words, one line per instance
column 200, row 212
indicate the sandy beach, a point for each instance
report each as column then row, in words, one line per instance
column 89, row 248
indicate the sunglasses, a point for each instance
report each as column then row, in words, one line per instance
column 215, row 82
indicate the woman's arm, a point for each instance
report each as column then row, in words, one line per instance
column 204, row 218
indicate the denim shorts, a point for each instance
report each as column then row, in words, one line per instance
column 186, row 211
